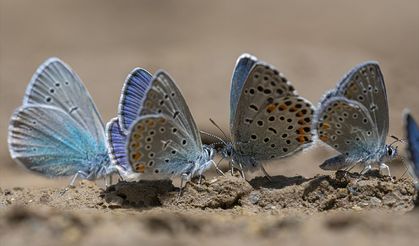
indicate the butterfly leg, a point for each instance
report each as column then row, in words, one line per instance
column 73, row 180
column 118, row 172
column 217, row 168
column 110, row 180
column 231, row 163
column 242, row 171
column 266, row 173
column 183, row 179
column 366, row 169
column 384, row 166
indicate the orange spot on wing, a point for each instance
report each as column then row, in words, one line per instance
column 282, row 107
column 136, row 156
column 134, row 145
column 300, row 139
column 151, row 123
column 140, row 168
column 293, row 109
column 270, row 108
column 325, row 126
column 140, row 127
column 324, row 138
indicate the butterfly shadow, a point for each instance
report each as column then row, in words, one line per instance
column 141, row 194
column 277, row 182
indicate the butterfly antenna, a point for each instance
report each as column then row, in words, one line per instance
column 396, row 140
column 219, row 128
column 214, row 136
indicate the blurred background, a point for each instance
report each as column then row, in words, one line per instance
column 314, row 43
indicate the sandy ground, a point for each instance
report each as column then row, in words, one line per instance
column 312, row 42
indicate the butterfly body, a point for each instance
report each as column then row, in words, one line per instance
column 268, row 119
column 353, row 119
column 58, row 131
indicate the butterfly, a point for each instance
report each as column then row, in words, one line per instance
column 412, row 134
column 353, row 119
column 163, row 141
column 268, row 119
column 57, row 131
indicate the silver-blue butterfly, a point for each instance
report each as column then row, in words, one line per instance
column 268, row 119
column 412, row 137
column 353, row 119
column 58, row 131
column 164, row 140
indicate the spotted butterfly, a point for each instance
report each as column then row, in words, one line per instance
column 353, row 119
column 268, row 119
column 163, row 141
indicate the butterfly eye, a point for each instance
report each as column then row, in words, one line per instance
column 389, row 151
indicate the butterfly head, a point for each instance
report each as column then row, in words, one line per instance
column 227, row 150
column 391, row 153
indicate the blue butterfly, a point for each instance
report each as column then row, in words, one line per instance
column 268, row 119
column 353, row 119
column 163, row 140
column 58, row 131
column 412, row 134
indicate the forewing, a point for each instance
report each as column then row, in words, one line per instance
column 158, row 147
column 412, row 133
column 242, row 69
column 132, row 97
column 164, row 97
column 271, row 121
column 347, row 127
column 117, row 141
column 46, row 140
column 365, row 84
column 55, row 84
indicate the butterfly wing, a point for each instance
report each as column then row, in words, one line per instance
column 47, row 140
column 347, row 127
column 412, row 133
column 365, row 84
column 117, row 141
column 164, row 97
column 55, row 84
column 132, row 97
column 159, row 147
column 241, row 71
column 271, row 120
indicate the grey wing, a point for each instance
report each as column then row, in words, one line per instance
column 271, row 120
column 55, row 84
column 365, row 84
column 241, row 71
column 164, row 97
column 158, row 147
column 347, row 127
